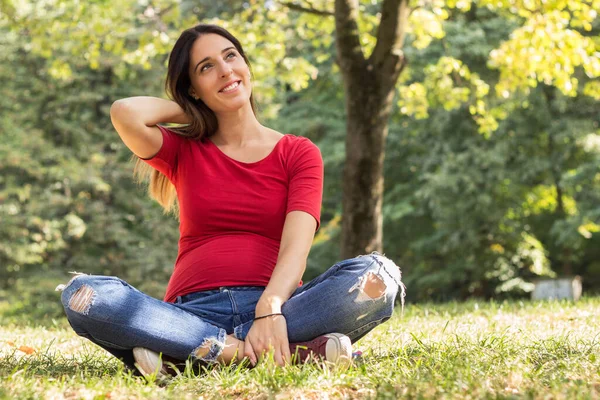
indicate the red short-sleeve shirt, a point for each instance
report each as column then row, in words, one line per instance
column 232, row 213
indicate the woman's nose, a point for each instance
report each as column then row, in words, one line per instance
column 226, row 71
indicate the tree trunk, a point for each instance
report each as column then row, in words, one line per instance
column 369, row 87
column 362, row 221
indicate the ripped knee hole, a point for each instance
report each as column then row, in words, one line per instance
column 209, row 349
column 82, row 299
column 203, row 350
column 370, row 286
column 374, row 287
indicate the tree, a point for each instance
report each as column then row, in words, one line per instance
column 370, row 88
column 457, row 126
column 369, row 81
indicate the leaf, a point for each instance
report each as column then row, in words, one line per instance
column 26, row 349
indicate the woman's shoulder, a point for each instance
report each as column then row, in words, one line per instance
column 298, row 150
column 302, row 143
column 291, row 140
column 287, row 143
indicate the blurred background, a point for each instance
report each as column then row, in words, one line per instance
column 492, row 158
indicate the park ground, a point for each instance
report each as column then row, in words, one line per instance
column 472, row 350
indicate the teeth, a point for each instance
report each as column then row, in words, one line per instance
column 230, row 87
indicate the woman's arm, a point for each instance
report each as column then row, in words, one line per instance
column 152, row 110
column 271, row 333
column 296, row 240
column 305, row 194
column 135, row 119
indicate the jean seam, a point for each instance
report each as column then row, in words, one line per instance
column 382, row 267
column 399, row 283
column 367, row 267
column 234, row 307
column 376, row 322
column 102, row 342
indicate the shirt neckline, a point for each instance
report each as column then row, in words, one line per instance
column 247, row 163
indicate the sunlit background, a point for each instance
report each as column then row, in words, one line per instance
column 492, row 160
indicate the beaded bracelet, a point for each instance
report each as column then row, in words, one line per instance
column 268, row 315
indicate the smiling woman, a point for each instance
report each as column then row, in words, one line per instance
column 249, row 202
column 222, row 78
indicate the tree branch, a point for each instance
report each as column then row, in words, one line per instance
column 390, row 35
column 310, row 10
column 350, row 54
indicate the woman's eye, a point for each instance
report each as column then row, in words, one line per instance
column 205, row 66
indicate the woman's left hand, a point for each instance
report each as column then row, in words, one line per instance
column 268, row 334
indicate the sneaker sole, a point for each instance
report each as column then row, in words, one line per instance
column 338, row 349
column 148, row 362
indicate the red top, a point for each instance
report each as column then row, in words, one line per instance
column 231, row 212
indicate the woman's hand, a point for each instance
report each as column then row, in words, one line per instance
column 268, row 334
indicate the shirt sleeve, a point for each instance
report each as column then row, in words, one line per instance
column 165, row 160
column 305, row 191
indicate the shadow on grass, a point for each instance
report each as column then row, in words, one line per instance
column 54, row 365
column 91, row 363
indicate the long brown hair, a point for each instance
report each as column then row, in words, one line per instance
column 204, row 122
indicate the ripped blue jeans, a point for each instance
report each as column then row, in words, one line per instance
column 352, row 297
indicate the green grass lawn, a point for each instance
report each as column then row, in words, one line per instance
column 546, row 350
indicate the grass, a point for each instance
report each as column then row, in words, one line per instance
column 546, row 350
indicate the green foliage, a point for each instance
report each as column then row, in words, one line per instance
column 448, row 84
column 66, row 185
column 482, row 216
column 491, row 164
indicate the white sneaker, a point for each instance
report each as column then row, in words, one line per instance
column 335, row 348
column 148, row 362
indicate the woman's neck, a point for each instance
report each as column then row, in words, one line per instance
column 238, row 128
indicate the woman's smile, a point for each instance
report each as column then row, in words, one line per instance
column 232, row 87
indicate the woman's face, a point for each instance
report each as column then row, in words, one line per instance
column 218, row 73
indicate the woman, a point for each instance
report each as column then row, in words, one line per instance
column 249, row 204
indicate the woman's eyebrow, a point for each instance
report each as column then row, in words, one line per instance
column 208, row 58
